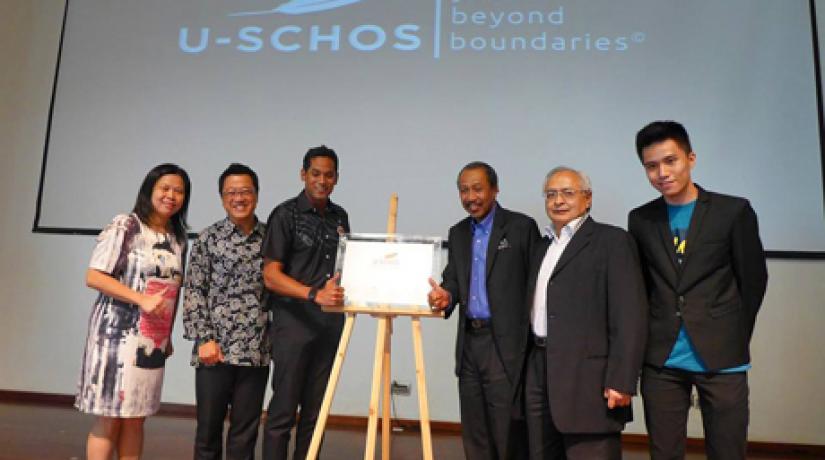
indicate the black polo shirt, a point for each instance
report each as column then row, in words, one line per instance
column 303, row 240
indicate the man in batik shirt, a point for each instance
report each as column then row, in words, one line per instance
column 225, row 315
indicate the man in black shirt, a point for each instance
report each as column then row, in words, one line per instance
column 299, row 261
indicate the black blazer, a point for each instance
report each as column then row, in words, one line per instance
column 512, row 239
column 719, row 287
column 596, row 323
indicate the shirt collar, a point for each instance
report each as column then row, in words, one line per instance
column 683, row 205
column 486, row 224
column 568, row 230
column 227, row 228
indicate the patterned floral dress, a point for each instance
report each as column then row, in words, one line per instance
column 122, row 370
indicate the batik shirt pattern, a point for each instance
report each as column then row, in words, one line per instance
column 224, row 298
column 123, row 362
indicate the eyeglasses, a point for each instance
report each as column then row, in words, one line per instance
column 565, row 193
column 238, row 193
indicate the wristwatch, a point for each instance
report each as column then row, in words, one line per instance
column 313, row 291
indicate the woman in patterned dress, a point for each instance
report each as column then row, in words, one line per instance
column 137, row 268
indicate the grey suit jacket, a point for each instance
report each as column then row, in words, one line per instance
column 596, row 327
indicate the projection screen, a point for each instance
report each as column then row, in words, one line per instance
column 409, row 91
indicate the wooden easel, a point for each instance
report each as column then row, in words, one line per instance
column 381, row 376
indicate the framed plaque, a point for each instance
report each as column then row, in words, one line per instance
column 387, row 271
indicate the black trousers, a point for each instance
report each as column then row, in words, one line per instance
column 723, row 400
column 545, row 441
column 486, row 398
column 302, row 360
column 216, row 389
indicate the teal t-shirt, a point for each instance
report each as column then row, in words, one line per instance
column 684, row 355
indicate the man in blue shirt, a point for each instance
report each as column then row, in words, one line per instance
column 706, row 277
column 486, row 275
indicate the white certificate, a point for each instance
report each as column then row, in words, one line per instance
column 387, row 270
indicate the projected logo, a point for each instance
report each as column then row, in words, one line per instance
column 458, row 26
column 296, row 7
column 475, row 26
column 299, row 36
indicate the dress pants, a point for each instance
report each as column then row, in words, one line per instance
column 302, row 360
column 545, row 441
column 216, row 389
column 723, row 399
column 486, row 397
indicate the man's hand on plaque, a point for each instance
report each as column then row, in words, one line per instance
column 438, row 297
column 332, row 294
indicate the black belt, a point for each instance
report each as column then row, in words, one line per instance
column 475, row 324
column 540, row 342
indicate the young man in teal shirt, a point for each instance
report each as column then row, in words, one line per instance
column 706, row 277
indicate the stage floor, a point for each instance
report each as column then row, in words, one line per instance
column 42, row 432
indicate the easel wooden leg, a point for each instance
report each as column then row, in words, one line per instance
column 323, row 414
column 381, row 374
column 421, row 381
column 386, row 423
column 386, row 403
column 372, row 424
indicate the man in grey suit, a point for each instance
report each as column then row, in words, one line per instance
column 486, row 276
column 589, row 322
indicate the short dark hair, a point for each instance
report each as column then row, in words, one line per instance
column 320, row 151
column 659, row 131
column 492, row 177
column 143, row 204
column 237, row 169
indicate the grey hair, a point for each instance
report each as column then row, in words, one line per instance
column 586, row 185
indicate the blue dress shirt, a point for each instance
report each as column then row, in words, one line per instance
column 479, row 307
